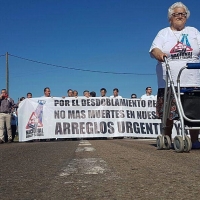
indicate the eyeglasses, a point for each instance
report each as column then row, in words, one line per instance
column 184, row 14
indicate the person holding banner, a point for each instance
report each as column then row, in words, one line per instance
column 47, row 92
column 92, row 94
column 86, row 94
column 133, row 96
column 14, row 121
column 148, row 94
column 181, row 45
column 70, row 93
column 29, row 95
column 75, row 93
column 103, row 92
column 116, row 94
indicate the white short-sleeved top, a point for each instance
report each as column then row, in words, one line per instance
column 181, row 47
column 117, row 97
column 145, row 96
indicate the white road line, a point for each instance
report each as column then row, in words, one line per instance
column 88, row 149
column 84, row 143
column 85, row 166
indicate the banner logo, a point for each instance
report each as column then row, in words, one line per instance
column 182, row 50
column 34, row 126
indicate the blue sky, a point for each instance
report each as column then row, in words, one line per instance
column 102, row 35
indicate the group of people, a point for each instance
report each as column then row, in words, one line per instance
column 8, row 109
column 74, row 93
column 86, row 93
column 178, row 43
column 8, row 116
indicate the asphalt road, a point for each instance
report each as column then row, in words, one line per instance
column 97, row 169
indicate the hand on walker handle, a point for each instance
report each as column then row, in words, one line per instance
column 161, row 57
column 158, row 54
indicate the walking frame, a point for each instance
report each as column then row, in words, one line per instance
column 182, row 143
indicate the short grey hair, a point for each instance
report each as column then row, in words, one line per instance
column 177, row 5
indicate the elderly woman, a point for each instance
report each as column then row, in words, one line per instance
column 181, row 45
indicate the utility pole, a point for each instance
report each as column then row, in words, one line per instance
column 7, row 74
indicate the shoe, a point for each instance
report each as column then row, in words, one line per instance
column 10, row 141
column 2, row 141
column 196, row 145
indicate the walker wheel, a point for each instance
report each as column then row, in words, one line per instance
column 179, row 144
column 167, row 142
column 187, row 144
column 160, row 142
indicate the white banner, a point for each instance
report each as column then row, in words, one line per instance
column 46, row 117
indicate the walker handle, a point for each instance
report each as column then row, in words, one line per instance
column 165, row 59
column 193, row 65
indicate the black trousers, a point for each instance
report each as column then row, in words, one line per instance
column 14, row 129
